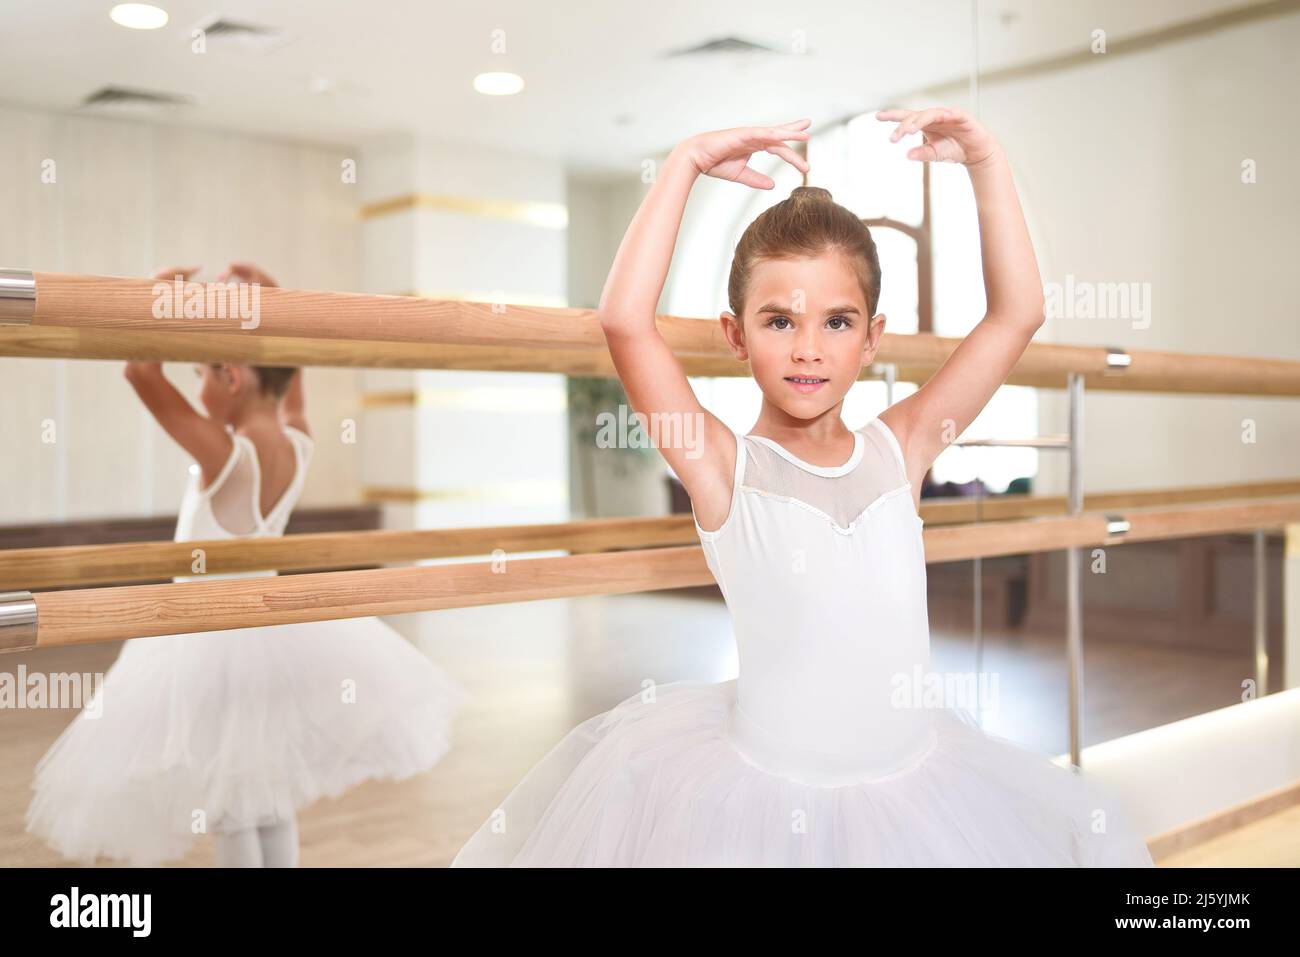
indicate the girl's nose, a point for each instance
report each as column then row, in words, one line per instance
column 807, row 347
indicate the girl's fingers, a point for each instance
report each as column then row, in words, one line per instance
column 936, row 118
column 790, row 156
column 172, row 272
column 752, row 177
column 924, row 154
column 757, row 142
column 917, row 122
column 780, row 134
column 955, row 115
column 770, row 134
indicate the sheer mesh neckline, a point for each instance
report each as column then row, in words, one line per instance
column 829, row 470
column 265, row 519
column 234, row 496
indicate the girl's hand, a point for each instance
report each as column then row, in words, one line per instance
column 948, row 135
column 246, row 272
column 171, row 272
column 724, row 154
column 166, row 274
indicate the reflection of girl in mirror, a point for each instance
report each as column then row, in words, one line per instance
column 831, row 747
column 233, row 731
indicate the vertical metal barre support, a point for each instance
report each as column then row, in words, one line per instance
column 1261, row 614
column 977, row 579
column 1074, row 572
column 977, row 572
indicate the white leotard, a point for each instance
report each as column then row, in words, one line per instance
column 823, row 570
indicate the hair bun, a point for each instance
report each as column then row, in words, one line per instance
column 811, row 194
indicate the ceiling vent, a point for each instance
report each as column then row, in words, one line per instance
column 119, row 100
column 723, row 45
column 228, row 35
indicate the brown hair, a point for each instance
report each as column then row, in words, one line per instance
column 809, row 223
column 274, row 380
column 271, row 380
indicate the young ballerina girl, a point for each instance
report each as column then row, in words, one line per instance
column 231, row 732
column 824, row 751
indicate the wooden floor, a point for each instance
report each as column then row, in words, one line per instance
column 537, row 669
column 1273, row 841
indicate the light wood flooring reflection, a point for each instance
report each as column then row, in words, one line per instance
column 536, row 669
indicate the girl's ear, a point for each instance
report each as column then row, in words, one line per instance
column 875, row 332
column 231, row 377
column 734, row 331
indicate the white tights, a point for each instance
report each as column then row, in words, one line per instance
column 272, row 845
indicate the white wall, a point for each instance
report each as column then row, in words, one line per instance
column 464, row 448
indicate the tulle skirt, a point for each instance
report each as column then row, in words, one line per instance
column 662, row 783
column 230, row 729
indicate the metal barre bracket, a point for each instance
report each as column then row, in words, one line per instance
column 1117, row 360
column 17, row 297
column 17, row 621
column 1117, row 526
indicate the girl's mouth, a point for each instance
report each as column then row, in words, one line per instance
column 806, row 384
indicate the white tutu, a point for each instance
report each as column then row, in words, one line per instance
column 661, row 784
column 237, row 728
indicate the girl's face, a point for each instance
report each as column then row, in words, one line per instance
column 220, row 390
column 806, row 332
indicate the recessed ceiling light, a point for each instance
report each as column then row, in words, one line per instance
column 498, row 84
column 138, row 16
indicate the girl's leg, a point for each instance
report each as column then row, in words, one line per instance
column 238, row 847
column 279, row 843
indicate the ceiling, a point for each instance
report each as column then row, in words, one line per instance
column 602, row 91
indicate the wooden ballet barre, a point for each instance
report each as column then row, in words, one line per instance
column 53, row 566
column 964, row 509
column 992, row 539
column 89, row 615
column 369, row 326
column 244, row 309
column 59, row 342
column 137, row 611
column 62, row 565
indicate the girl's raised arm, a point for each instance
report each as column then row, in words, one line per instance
column 653, row 378
column 198, row 435
column 927, row 421
column 207, row 442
